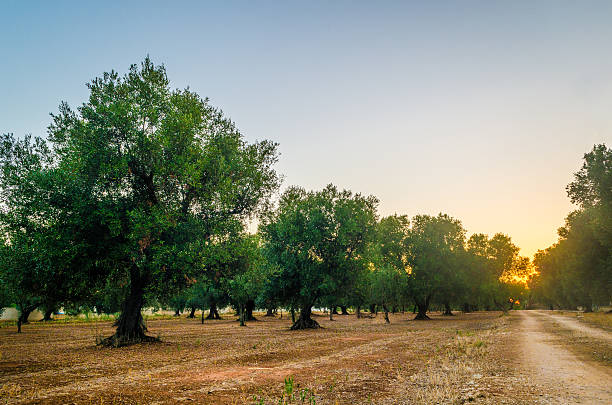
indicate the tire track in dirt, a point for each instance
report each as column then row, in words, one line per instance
column 564, row 377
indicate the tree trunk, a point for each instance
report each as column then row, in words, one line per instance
column 292, row 315
column 447, row 309
column 386, row 314
column 331, row 315
column 414, row 308
column 202, row 320
column 177, row 312
column 422, row 306
column 500, row 307
column 305, row 321
column 372, row 308
column 25, row 312
column 192, row 313
column 344, row 310
column 48, row 313
column 270, row 312
column 130, row 325
column 358, row 312
column 213, row 313
column 242, row 315
column 466, row 308
column 334, row 310
column 250, row 306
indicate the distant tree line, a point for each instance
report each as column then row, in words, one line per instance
column 577, row 270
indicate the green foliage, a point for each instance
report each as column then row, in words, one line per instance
column 141, row 177
column 434, row 244
column 203, row 294
column 317, row 240
column 577, row 270
column 178, row 302
column 389, row 270
column 496, row 270
column 43, row 241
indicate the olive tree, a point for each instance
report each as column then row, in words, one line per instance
column 315, row 240
column 160, row 174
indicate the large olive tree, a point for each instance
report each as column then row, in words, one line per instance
column 161, row 173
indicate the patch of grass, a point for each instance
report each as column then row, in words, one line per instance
column 304, row 396
column 478, row 343
column 464, row 333
column 599, row 319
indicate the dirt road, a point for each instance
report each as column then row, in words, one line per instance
column 563, row 375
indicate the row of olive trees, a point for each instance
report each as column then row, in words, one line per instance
column 577, row 270
column 329, row 248
column 141, row 194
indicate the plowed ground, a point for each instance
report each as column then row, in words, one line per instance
column 472, row 357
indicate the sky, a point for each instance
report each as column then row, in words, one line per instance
column 479, row 109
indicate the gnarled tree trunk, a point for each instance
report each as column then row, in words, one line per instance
column 24, row 314
column 130, row 325
column 358, row 312
column 192, row 313
column 213, row 313
column 422, row 307
column 386, row 314
column 344, row 310
column 447, row 309
column 305, row 321
column 270, row 312
column 249, row 307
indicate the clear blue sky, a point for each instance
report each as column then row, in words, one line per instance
column 481, row 109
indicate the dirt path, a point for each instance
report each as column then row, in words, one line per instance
column 564, row 377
